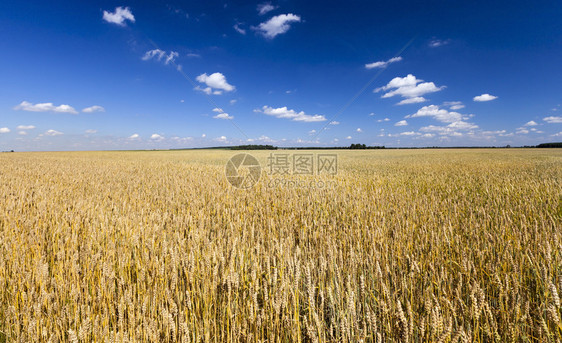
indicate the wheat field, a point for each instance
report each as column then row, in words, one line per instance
column 157, row 246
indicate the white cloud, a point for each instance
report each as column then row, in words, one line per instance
column 223, row 115
column 437, row 43
column 451, row 129
column 216, row 83
column 277, row 25
column 531, row 123
column 233, row 101
column 414, row 100
column 436, row 113
column 239, row 29
column 192, row 54
column 158, row 55
column 484, row 97
column 53, row 133
column 453, row 105
column 311, row 132
column 359, row 130
column 334, row 122
column 119, row 17
column 134, row 136
column 203, row 135
column 25, row 127
column 4, row 130
column 91, row 131
column 221, row 139
column 401, row 123
column 408, row 87
column 93, row 109
column 381, row 120
column 348, row 137
column 372, row 114
column 45, row 107
column 428, row 135
column 559, row 134
column 522, row 131
column 22, row 133
column 265, row 8
column 157, row 137
column 283, row 112
column 382, row 64
column 553, row 120
column 408, row 133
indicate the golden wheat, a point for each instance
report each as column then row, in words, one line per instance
column 412, row 246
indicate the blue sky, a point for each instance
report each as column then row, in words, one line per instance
column 145, row 75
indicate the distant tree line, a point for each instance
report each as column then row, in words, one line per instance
column 550, row 145
column 254, row 147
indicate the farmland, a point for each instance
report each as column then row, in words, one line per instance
column 408, row 245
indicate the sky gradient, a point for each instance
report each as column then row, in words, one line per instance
column 149, row 75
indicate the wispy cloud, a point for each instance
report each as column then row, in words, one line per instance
column 414, row 100
column 277, row 25
column 45, row 107
column 382, row 64
column 160, row 55
column 454, row 105
column 93, row 109
column 25, row 127
column 119, row 17
column 239, row 29
column 283, row 112
column 265, row 8
column 434, row 43
column 53, row 133
column 401, row 123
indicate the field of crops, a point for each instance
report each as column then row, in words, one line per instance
column 408, row 245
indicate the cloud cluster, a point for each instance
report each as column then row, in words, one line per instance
column 45, row 107
column 221, row 114
column 283, row 112
column 408, row 87
column 216, row 84
column 119, row 17
column 553, row 120
column 277, row 25
column 382, row 64
column 439, row 114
